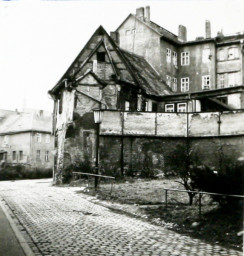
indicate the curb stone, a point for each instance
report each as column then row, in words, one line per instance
column 23, row 243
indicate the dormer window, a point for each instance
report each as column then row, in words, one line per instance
column 100, row 56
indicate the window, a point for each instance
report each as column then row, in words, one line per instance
column 38, row 155
column 47, row 138
column 14, row 155
column 185, row 84
column 169, row 107
column 168, row 80
column 181, row 107
column 146, row 105
column 206, row 82
column 206, row 55
column 221, row 54
column 185, row 58
column 60, row 104
column 221, row 80
column 223, row 100
column 168, row 55
column 127, row 105
column 38, row 137
column 101, row 56
column 46, row 156
column 175, row 58
column 21, row 155
column 174, row 84
column 232, row 79
column 154, row 107
column 232, row 53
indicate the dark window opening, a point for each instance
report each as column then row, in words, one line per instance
column 14, row 155
column 223, row 100
column 101, row 56
column 21, row 155
column 76, row 101
column 154, row 107
column 60, row 106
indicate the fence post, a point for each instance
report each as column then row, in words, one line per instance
column 200, row 197
column 166, row 197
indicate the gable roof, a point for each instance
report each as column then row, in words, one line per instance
column 141, row 72
column 153, row 26
column 18, row 122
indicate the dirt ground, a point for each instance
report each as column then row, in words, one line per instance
column 145, row 199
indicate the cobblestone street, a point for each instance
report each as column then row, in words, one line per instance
column 58, row 221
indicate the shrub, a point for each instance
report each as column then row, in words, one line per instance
column 17, row 172
column 227, row 180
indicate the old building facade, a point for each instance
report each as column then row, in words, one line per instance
column 26, row 139
column 136, row 76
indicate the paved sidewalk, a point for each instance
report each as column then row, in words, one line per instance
column 9, row 245
column 61, row 222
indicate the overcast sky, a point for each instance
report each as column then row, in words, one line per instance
column 39, row 39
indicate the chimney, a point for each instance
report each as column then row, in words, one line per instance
column 208, row 29
column 140, row 13
column 147, row 13
column 182, row 33
column 115, row 36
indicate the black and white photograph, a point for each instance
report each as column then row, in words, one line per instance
column 121, row 127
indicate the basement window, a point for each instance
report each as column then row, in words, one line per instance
column 169, row 107
column 101, row 56
column 181, row 107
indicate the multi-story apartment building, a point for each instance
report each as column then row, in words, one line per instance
column 25, row 138
column 213, row 65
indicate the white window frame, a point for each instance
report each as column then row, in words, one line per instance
column 168, row 80
column 206, row 82
column 168, row 55
column 181, row 108
column 205, row 55
column 232, row 53
column 221, row 80
column 185, row 82
column 174, row 54
column 127, row 105
column 39, row 137
column 174, row 84
column 185, row 58
column 169, row 106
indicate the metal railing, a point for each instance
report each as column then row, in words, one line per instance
column 200, row 196
column 96, row 176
